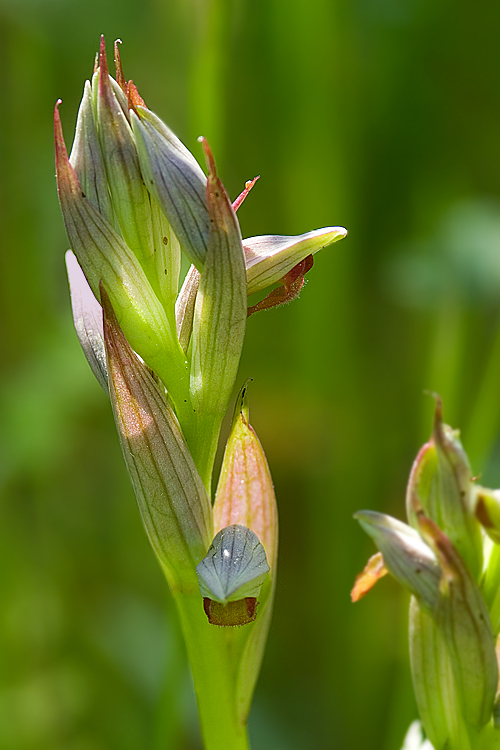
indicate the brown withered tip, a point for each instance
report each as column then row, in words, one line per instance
column 232, row 614
column 61, row 151
column 120, row 78
column 67, row 180
column 133, row 96
column 373, row 571
column 209, row 157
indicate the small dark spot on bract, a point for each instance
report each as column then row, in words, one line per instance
column 165, row 271
column 165, row 240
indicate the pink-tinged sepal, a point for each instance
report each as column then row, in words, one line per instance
column 87, row 318
column 269, row 258
column 245, row 496
column 245, row 492
column 174, row 504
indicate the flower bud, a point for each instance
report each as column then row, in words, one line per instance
column 103, row 255
column 440, row 484
column 245, row 495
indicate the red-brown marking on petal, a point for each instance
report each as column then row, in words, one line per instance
column 374, row 570
column 291, row 286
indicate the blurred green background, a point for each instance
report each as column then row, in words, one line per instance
column 379, row 115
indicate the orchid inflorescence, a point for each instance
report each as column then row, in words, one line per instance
column 133, row 200
column 448, row 557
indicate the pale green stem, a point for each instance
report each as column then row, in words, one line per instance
column 213, row 668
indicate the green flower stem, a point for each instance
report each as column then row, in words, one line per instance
column 212, row 662
column 202, row 436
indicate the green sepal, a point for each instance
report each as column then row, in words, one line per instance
column 86, row 158
column 464, row 622
column 176, row 180
column 439, row 705
column 219, row 321
column 130, row 197
column 455, row 491
column 174, row 504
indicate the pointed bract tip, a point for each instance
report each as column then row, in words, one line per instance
column 61, row 151
column 103, row 63
column 209, row 157
column 241, row 406
column 134, row 98
column 120, row 78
